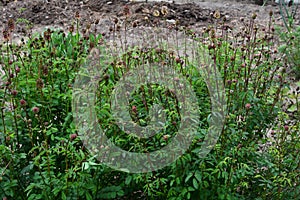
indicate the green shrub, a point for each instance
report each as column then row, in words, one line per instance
column 42, row 157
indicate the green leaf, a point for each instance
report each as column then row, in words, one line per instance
column 293, row 108
column 88, row 196
column 63, row 196
column 128, row 180
column 120, row 193
column 178, row 181
column 31, row 197
column 198, row 176
column 205, row 183
column 184, row 191
column 188, row 177
column 195, row 184
column 188, row 196
column 85, row 166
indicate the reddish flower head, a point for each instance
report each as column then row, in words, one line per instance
column 134, row 109
column 17, row 69
column 35, row 109
column 73, row 136
column 14, row 92
column 248, row 106
column 126, row 10
column 6, row 34
column 23, row 102
column 11, row 24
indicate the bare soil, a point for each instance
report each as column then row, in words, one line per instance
column 44, row 14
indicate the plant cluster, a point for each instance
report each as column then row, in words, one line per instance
column 42, row 156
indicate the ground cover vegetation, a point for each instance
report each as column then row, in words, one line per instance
column 257, row 153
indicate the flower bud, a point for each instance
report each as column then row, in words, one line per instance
column 17, row 69
column 134, row 109
column 248, row 106
column 35, row 109
column 14, row 92
column 73, row 136
column 23, row 102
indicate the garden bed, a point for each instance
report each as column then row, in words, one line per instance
column 216, row 80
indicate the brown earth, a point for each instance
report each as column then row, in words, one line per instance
column 42, row 14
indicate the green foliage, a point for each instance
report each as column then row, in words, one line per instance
column 41, row 156
column 290, row 48
column 291, row 37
